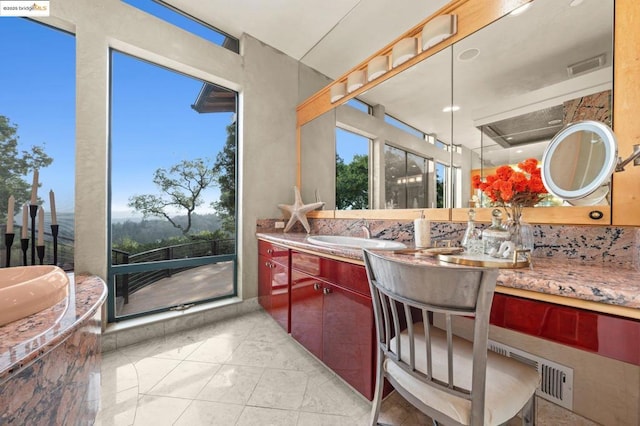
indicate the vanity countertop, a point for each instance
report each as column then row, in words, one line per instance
column 25, row 340
column 595, row 286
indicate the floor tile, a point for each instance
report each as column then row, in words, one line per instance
column 232, row 384
column 279, row 389
column 151, row 371
column 159, row 410
column 257, row 416
column 186, row 380
column 210, row 413
column 118, row 409
column 316, row 419
column 216, row 349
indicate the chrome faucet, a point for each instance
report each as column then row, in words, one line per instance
column 364, row 224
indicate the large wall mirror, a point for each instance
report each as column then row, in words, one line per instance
column 495, row 97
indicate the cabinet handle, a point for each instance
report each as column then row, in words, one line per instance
column 269, row 251
column 326, row 290
column 269, row 265
column 316, row 286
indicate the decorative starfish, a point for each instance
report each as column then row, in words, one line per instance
column 298, row 211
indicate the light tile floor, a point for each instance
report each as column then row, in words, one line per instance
column 242, row 371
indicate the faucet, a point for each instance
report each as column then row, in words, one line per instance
column 364, row 224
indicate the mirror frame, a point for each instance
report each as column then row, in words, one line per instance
column 473, row 15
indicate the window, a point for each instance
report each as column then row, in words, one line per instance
column 37, row 95
column 172, row 181
column 352, row 171
column 174, row 16
column 407, row 178
column 359, row 105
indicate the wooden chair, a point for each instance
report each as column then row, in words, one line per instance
column 450, row 379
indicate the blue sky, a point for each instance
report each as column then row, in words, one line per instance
column 153, row 124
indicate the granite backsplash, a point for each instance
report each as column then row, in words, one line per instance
column 610, row 244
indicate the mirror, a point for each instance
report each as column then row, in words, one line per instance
column 578, row 163
column 513, row 85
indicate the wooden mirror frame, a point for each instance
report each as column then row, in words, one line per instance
column 473, row 15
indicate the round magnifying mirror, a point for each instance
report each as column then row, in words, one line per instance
column 578, row 163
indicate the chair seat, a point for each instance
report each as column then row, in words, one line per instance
column 509, row 383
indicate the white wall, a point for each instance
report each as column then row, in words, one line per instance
column 266, row 79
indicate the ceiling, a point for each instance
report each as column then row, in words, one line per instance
column 331, row 36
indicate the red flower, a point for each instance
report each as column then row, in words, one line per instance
column 523, row 188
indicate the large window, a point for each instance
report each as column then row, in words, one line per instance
column 173, row 145
column 37, row 131
column 407, row 180
column 352, row 171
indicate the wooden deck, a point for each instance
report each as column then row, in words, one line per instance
column 204, row 282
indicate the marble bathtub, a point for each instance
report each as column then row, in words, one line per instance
column 25, row 290
column 50, row 360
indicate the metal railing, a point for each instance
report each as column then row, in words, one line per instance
column 126, row 284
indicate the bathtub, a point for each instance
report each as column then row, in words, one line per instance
column 25, row 290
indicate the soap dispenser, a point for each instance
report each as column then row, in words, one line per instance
column 422, row 231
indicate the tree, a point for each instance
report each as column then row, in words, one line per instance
column 225, row 170
column 15, row 164
column 181, row 188
column 352, row 183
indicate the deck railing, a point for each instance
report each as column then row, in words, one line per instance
column 127, row 284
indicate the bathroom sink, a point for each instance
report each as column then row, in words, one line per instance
column 354, row 242
column 25, row 290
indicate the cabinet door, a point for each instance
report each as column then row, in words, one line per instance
column 273, row 289
column 348, row 337
column 306, row 311
column 264, row 282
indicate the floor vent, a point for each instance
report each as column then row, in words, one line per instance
column 556, row 383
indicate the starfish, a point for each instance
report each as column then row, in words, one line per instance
column 298, row 211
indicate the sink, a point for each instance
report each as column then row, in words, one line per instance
column 25, row 290
column 355, row 242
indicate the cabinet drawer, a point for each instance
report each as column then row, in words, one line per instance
column 274, row 252
column 344, row 274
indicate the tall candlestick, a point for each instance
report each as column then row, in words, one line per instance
column 52, row 202
column 40, row 226
column 25, row 217
column 10, row 214
column 34, row 188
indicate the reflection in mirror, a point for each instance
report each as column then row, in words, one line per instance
column 352, row 171
column 521, row 79
column 578, row 163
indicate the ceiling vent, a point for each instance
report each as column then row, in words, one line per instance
column 587, row 65
column 537, row 126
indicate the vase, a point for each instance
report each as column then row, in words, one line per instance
column 521, row 232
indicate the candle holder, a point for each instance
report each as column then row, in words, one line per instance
column 33, row 212
column 24, row 245
column 8, row 242
column 54, row 232
column 40, row 254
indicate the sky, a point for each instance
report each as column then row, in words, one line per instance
column 153, row 124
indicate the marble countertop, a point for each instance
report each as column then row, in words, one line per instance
column 597, row 286
column 23, row 341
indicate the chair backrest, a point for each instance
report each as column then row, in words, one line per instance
column 405, row 293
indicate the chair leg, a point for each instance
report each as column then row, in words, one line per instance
column 377, row 395
column 529, row 412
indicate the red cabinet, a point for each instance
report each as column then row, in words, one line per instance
column 332, row 317
column 273, row 281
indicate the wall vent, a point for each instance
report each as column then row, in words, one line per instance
column 556, row 383
column 587, row 65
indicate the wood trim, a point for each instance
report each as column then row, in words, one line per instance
column 550, row 215
column 395, row 214
column 626, row 104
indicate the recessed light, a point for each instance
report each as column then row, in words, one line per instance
column 576, row 3
column 519, row 151
column 554, row 122
column 451, row 108
column 509, row 138
column 520, row 10
column 469, row 54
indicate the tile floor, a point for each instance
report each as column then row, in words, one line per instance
column 242, row 371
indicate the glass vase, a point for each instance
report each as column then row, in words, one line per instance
column 521, row 232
